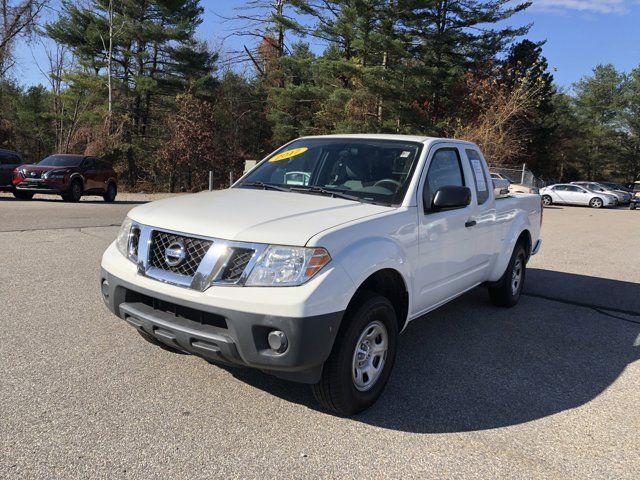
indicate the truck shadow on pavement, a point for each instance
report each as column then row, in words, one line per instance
column 471, row 366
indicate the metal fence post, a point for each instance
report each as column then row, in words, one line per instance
column 210, row 180
column 524, row 165
column 230, row 179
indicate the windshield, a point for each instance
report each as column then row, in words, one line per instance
column 367, row 170
column 61, row 161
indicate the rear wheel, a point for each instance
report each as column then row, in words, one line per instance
column 362, row 358
column 596, row 203
column 74, row 193
column 632, row 206
column 546, row 200
column 22, row 195
column 110, row 194
column 509, row 288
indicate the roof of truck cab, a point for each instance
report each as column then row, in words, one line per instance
column 385, row 136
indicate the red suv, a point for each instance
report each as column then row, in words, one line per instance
column 71, row 176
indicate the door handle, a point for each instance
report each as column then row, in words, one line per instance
column 470, row 223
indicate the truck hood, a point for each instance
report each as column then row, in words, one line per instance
column 247, row 215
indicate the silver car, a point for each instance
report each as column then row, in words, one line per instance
column 569, row 194
column 616, row 187
column 622, row 197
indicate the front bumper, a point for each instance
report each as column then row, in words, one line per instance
column 42, row 186
column 225, row 335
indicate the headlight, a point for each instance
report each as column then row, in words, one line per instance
column 127, row 241
column 55, row 174
column 287, row 266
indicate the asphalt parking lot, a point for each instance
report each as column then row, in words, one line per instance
column 549, row 389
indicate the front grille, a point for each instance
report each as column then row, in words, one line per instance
column 179, row 311
column 195, row 249
column 236, row 264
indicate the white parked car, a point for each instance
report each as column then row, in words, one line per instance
column 515, row 187
column 313, row 280
column 566, row 193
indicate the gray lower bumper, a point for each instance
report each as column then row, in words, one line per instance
column 223, row 335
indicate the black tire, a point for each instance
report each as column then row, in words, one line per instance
column 547, row 200
column 632, row 206
column 336, row 391
column 74, row 193
column 154, row 341
column 22, row 195
column 110, row 195
column 596, row 202
column 507, row 291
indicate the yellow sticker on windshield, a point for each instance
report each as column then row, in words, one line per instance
column 288, row 154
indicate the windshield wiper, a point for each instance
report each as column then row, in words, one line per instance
column 328, row 191
column 265, row 186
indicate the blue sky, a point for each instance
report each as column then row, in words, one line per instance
column 579, row 34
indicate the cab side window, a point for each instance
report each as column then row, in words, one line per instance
column 445, row 170
column 89, row 163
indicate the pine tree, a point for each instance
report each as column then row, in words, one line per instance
column 526, row 66
column 153, row 56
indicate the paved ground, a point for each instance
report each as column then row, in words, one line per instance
column 550, row 389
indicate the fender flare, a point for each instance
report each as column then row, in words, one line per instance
column 366, row 257
column 517, row 228
column 74, row 176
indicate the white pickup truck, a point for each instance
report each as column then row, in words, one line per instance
column 310, row 266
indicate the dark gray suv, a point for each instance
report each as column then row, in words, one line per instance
column 9, row 160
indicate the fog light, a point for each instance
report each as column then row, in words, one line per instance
column 105, row 289
column 278, row 341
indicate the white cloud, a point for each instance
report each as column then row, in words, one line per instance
column 593, row 6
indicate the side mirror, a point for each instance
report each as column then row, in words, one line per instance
column 449, row 197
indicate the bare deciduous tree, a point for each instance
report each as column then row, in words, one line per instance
column 498, row 127
column 17, row 18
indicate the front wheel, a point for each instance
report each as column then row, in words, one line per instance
column 632, row 206
column 509, row 288
column 74, row 193
column 596, row 203
column 546, row 200
column 360, row 363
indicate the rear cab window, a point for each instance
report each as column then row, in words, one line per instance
column 479, row 175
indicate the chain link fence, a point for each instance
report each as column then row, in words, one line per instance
column 520, row 175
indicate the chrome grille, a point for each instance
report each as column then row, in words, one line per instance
column 33, row 174
column 195, row 251
column 236, row 264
